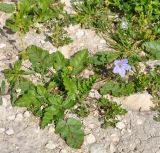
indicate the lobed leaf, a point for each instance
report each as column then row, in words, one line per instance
column 71, row 132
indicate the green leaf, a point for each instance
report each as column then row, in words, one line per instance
column 69, row 84
column 69, row 102
column 41, row 90
column 85, row 85
column 30, row 101
column 3, row 87
column 79, row 60
column 53, row 112
column 8, row 8
column 59, row 61
column 117, row 89
column 71, row 132
column 102, row 58
column 40, row 59
column 153, row 49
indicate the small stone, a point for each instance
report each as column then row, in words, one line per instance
column 10, row 131
column 112, row 148
column 27, row 114
column 50, row 145
column 120, row 125
column 2, row 45
column 19, row 117
column 90, row 138
column 114, row 138
column 102, row 41
column 63, row 151
column 2, row 130
column 11, row 117
column 97, row 148
column 51, row 129
column 94, row 94
column 139, row 102
column 139, row 122
column 80, row 33
column 4, row 102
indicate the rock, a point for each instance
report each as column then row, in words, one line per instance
column 63, row 151
column 10, row 131
column 11, row 117
column 114, row 138
column 94, row 94
column 138, row 102
column 4, row 101
column 139, row 122
column 66, row 2
column 19, row 117
column 50, row 145
column 2, row 46
column 27, row 114
column 80, row 33
column 90, row 138
column 102, row 41
column 120, row 125
column 112, row 148
column 2, row 130
column 97, row 148
column 51, row 129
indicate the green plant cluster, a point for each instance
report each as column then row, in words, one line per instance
column 28, row 13
column 60, row 88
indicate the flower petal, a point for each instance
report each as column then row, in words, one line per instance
column 116, row 69
column 122, row 72
column 126, row 66
column 124, row 61
column 117, row 62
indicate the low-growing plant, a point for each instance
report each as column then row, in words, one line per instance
column 91, row 14
column 27, row 14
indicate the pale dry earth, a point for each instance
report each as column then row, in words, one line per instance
column 137, row 132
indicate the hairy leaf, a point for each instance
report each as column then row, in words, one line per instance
column 70, row 131
column 153, row 48
column 40, row 59
column 79, row 60
column 8, row 8
column 117, row 89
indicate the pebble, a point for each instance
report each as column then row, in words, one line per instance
column 10, row 131
column 4, row 102
column 139, row 122
column 90, row 138
column 97, row 148
column 80, row 33
column 27, row 114
column 11, row 117
column 2, row 45
column 112, row 148
column 102, row 41
column 94, row 94
column 114, row 138
column 51, row 129
column 63, row 151
column 19, row 117
column 120, row 125
column 50, row 145
column 2, row 130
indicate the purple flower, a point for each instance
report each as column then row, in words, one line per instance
column 121, row 66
